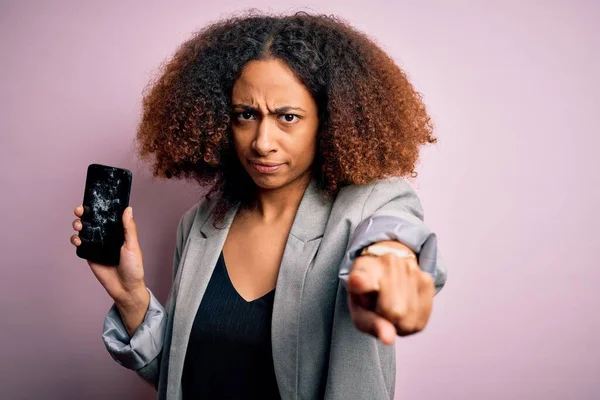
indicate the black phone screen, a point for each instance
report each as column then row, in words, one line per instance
column 105, row 199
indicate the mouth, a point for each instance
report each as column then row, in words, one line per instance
column 265, row 168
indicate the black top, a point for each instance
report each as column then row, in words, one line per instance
column 229, row 352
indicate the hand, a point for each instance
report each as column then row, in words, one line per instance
column 125, row 282
column 389, row 296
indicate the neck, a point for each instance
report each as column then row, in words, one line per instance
column 272, row 204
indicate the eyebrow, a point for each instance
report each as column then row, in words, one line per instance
column 279, row 110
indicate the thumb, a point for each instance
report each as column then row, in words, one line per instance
column 131, row 235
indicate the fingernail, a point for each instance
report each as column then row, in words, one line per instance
column 131, row 212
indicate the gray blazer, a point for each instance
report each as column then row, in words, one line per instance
column 317, row 351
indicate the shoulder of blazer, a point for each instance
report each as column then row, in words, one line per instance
column 377, row 191
column 198, row 212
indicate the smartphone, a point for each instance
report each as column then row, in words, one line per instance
column 105, row 198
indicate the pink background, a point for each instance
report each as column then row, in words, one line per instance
column 511, row 188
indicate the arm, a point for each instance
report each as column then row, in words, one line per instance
column 391, row 216
column 142, row 351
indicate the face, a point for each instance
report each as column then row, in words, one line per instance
column 274, row 124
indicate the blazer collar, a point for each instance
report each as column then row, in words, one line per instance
column 309, row 222
column 208, row 226
column 312, row 214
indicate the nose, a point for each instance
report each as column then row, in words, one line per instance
column 264, row 142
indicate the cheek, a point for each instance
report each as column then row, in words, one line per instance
column 304, row 150
column 240, row 141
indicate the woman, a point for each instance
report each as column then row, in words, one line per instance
column 296, row 272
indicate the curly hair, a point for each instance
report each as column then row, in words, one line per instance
column 372, row 122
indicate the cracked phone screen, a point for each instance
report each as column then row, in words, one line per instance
column 106, row 197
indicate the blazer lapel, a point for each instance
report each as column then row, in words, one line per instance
column 204, row 246
column 300, row 250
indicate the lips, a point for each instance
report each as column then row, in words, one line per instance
column 265, row 167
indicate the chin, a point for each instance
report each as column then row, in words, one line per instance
column 268, row 182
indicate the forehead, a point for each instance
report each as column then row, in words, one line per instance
column 269, row 81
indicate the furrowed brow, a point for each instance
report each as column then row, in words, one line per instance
column 287, row 109
column 278, row 110
column 245, row 107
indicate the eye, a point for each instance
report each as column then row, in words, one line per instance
column 245, row 116
column 289, row 118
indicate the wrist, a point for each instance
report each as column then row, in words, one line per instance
column 134, row 301
column 133, row 310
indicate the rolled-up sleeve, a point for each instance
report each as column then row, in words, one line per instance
column 393, row 212
column 145, row 345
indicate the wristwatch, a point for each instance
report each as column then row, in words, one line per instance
column 379, row 250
